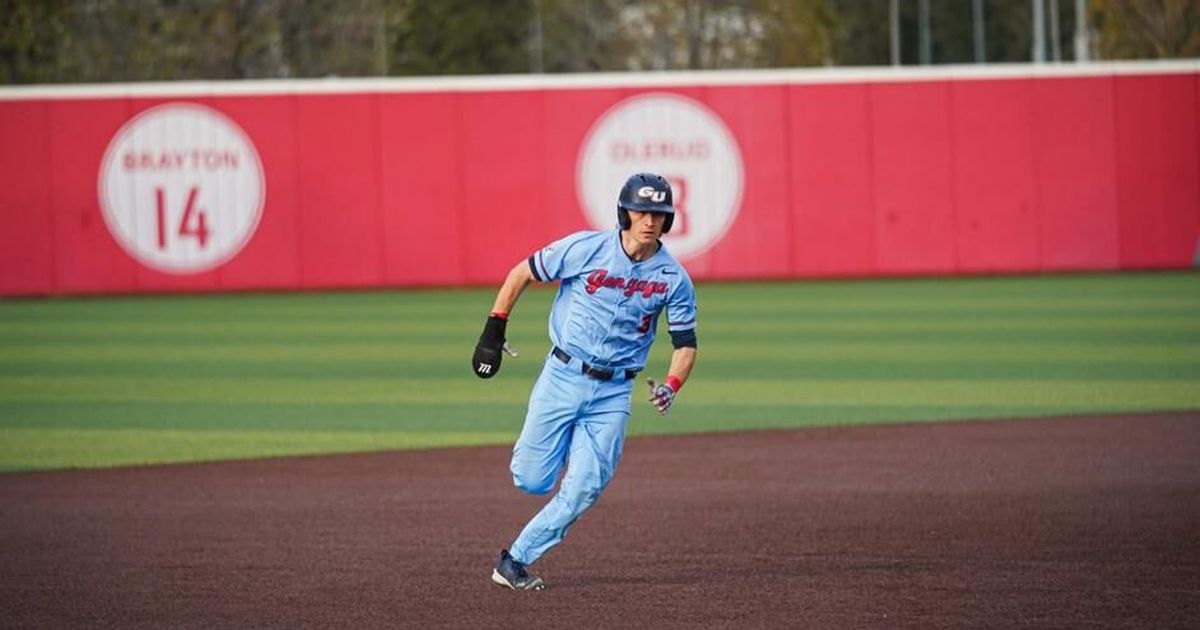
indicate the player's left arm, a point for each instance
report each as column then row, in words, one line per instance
column 662, row 395
column 682, row 360
column 681, row 323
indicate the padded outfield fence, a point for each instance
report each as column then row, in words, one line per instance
column 437, row 182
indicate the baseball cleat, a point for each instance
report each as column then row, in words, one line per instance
column 510, row 573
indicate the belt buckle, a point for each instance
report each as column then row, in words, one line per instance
column 591, row 371
column 596, row 373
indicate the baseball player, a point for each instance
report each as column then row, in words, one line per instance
column 614, row 285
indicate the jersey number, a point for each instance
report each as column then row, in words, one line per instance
column 647, row 321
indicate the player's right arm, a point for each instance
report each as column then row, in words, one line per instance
column 492, row 343
column 557, row 260
column 518, row 278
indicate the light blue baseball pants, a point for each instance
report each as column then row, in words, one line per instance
column 576, row 421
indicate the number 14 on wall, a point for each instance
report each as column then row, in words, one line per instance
column 193, row 223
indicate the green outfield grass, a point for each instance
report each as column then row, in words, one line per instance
column 113, row 381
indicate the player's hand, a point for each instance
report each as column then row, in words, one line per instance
column 488, row 352
column 661, row 396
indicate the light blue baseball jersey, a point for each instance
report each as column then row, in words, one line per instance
column 607, row 307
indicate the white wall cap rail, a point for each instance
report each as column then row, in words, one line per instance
column 527, row 82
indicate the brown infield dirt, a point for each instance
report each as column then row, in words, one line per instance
column 1065, row 522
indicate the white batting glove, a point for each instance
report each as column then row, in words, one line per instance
column 661, row 396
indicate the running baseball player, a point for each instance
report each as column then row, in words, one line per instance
column 614, row 285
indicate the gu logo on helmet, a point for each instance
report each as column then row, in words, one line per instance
column 181, row 188
column 647, row 192
column 680, row 139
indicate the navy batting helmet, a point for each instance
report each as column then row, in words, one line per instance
column 646, row 192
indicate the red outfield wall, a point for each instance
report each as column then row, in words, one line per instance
column 401, row 183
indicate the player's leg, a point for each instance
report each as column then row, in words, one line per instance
column 541, row 450
column 595, row 450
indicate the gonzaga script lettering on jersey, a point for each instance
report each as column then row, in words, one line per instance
column 606, row 310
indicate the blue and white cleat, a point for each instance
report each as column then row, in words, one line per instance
column 510, row 573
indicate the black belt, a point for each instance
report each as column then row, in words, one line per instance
column 594, row 372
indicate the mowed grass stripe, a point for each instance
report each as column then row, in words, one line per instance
column 534, row 341
column 1061, row 393
column 716, row 351
column 259, row 416
column 181, row 331
column 25, row 448
column 811, row 369
column 176, row 389
column 501, row 419
column 466, row 417
column 957, row 353
column 1168, row 293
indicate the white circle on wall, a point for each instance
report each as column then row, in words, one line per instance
column 676, row 137
column 181, row 188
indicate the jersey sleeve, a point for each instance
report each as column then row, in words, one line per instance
column 563, row 258
column 681, row 306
